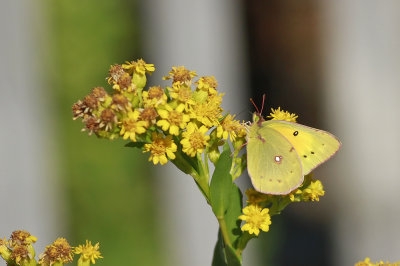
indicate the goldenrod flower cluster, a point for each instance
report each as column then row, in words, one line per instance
column 163, row 121
column 368, row 262
column 310, row 190
column 261, row 206
column 184, row 123
column 18, row 250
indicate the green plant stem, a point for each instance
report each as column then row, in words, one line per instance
column 204, row 177
column 207, row 169
column 225, row 236
column 140, row 97
column 203, row 184
column 224, row 231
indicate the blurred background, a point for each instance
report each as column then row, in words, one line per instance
column 334, row 63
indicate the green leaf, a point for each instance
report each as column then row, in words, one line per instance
column 222, row 118
column 243, row 240
column 232, row 214
column 221, row 184
column 227, row 147
column 219, row 255
column 224, row 255
column 183, row 163
column 231, row 257
column 166, row 91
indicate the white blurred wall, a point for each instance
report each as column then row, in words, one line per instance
column 205, row 36
column 27, row 187
column 362, row 100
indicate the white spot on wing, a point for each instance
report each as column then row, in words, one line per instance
column 278, row 159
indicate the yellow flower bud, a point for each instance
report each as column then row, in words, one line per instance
column 139, row 80
column 200, row 96
column 213, row 154
column 5, row 252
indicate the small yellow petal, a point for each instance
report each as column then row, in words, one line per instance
column 256, row 218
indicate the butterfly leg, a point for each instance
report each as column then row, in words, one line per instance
column 238, row 149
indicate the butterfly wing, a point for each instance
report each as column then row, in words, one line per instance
column 313, row 146
column 272, row 162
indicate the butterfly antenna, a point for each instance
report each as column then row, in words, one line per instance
column 262, row 106
column 251, row 100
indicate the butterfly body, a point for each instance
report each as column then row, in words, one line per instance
column 280, row 153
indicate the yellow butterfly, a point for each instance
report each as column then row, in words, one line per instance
column 281, row 153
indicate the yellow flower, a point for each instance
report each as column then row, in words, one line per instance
column 120, row 79
column 132, row 126
column 279, row 114
column 107, row 119
column 21, row 237
column 21, row 255
column 209, row 111
column 149, row 115
column 115, row 73
column 208, row 84
column 139, row 67
column 90, row 103
column 3, row 242
column 92, row 124
column 253, row 196
column 154, row 97
column 124, row 83
column 59, row 251
column 242, row 133
column 88, row 252
column 5, row 252
column 367, row 262
column 180, row 75
column 295, row 196
column 194, row 139
column 160, row 148
column 313, row 191
column 99, row 93
column 183, row 94
column 256, row 218
column 79, row 110
column 173, row 119
column 240, row 140
column 120, row 103
column 229, row 127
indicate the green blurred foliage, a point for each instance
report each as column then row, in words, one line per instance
column 109, row 186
